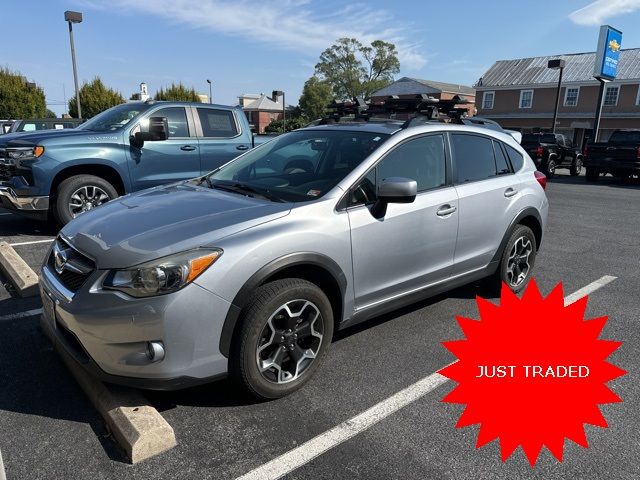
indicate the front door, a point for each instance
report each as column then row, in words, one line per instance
column 413, row 244
column 220, row 137
column 166, row 161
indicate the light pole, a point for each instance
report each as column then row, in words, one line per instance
column 556, row 64
column 210, row 96
column 275, row 94
column 71, row 18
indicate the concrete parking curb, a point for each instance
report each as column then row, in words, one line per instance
column 137, row 426
column 21, row 276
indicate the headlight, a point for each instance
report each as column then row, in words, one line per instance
column 162, row 276
column 22, row 156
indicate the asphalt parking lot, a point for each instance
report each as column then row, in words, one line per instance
column 50, row 430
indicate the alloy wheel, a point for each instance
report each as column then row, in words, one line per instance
column 518, row 265
column 290, row 341
column 87, row 198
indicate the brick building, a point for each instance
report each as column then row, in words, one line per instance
column 521, row 94
column 261, row 110
column 407, row 87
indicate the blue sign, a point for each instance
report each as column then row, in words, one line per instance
column 608, row 53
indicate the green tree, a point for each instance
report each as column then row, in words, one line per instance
column 293, row 123
column 356, row 70
column 17, row 99
column 177, row 93
column 50, row 114
column 95, row 97
column 316, row 95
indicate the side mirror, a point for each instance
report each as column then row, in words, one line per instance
column 158, row 131
column 394, row 190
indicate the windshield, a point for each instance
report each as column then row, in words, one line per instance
column 299, row 166
column 539, row 138
column 114, row 118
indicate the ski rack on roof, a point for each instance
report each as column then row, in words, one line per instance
column 421, row 109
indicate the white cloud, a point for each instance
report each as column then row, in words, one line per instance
column 285, row 24
column 596, row 13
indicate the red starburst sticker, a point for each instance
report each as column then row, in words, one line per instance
column 531, row 372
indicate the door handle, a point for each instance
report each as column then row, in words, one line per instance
column 445, row 210
column 188, row 148
column 242, row 147
column 510, row 192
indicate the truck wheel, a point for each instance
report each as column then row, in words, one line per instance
column 592, row 174
column 79, row 194
column 550, row 169
column 284, row 335
column 576, row 167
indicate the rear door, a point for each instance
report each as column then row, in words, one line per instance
column 220, row 136
column 413, row 244
column 166, row 161
column 487, row 190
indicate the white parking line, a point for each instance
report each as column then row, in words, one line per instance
column 299, row 456
column 16, row 316
column 48, row 240
column 2, row 474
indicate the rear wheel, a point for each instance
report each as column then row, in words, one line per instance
column 550, row 169
column 79, row 194
column 576, row 167
column 286, row 329
column 592, row 174
column 518, row 258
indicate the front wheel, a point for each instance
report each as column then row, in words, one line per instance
column 518, row 258
column 285, row 332
column 79, row 194
column 576, row 167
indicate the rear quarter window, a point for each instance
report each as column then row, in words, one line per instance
column 517, row 160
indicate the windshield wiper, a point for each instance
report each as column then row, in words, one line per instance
column 244, row 189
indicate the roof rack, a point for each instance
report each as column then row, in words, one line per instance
column 421, row 109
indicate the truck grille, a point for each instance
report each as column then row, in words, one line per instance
column 69, row 266
column 6, row 170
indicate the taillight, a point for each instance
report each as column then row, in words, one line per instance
column 540, row 152
column 585, row 151
column 541, row 178
column 638, row 152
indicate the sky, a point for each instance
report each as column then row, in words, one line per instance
column 256, row 46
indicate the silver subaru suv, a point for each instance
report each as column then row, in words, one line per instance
column 249, row 270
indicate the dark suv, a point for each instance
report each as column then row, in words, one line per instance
column 552, row 150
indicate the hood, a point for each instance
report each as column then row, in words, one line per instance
column 164, row 220
column 33, row 138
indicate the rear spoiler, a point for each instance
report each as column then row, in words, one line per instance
column 516, row 135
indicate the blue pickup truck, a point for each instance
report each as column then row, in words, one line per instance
column 129, row 147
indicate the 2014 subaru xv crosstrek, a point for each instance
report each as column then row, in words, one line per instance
column 249, row 270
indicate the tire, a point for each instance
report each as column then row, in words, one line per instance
column 266, row 327
column 592, row 174
column 85, row 191
column 576, row 167
column 521, row 237
column 550, row 168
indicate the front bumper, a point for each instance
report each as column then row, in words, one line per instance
column 106, row 333
column 23, row 204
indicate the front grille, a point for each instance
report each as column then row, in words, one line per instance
column 73, row 268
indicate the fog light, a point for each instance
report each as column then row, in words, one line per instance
column 155, row 351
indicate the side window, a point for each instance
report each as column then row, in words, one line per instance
column 421, row 159
column 217, row 123
column 502, row 164
column 517, row 160
column 474, row 157
column 177, row 120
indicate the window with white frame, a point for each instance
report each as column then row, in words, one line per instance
column 526, row 98
column 611, row 95
column 638, row 96
column 487, row 100
column 571, row 96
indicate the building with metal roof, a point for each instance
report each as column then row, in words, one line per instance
column 521, row 94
